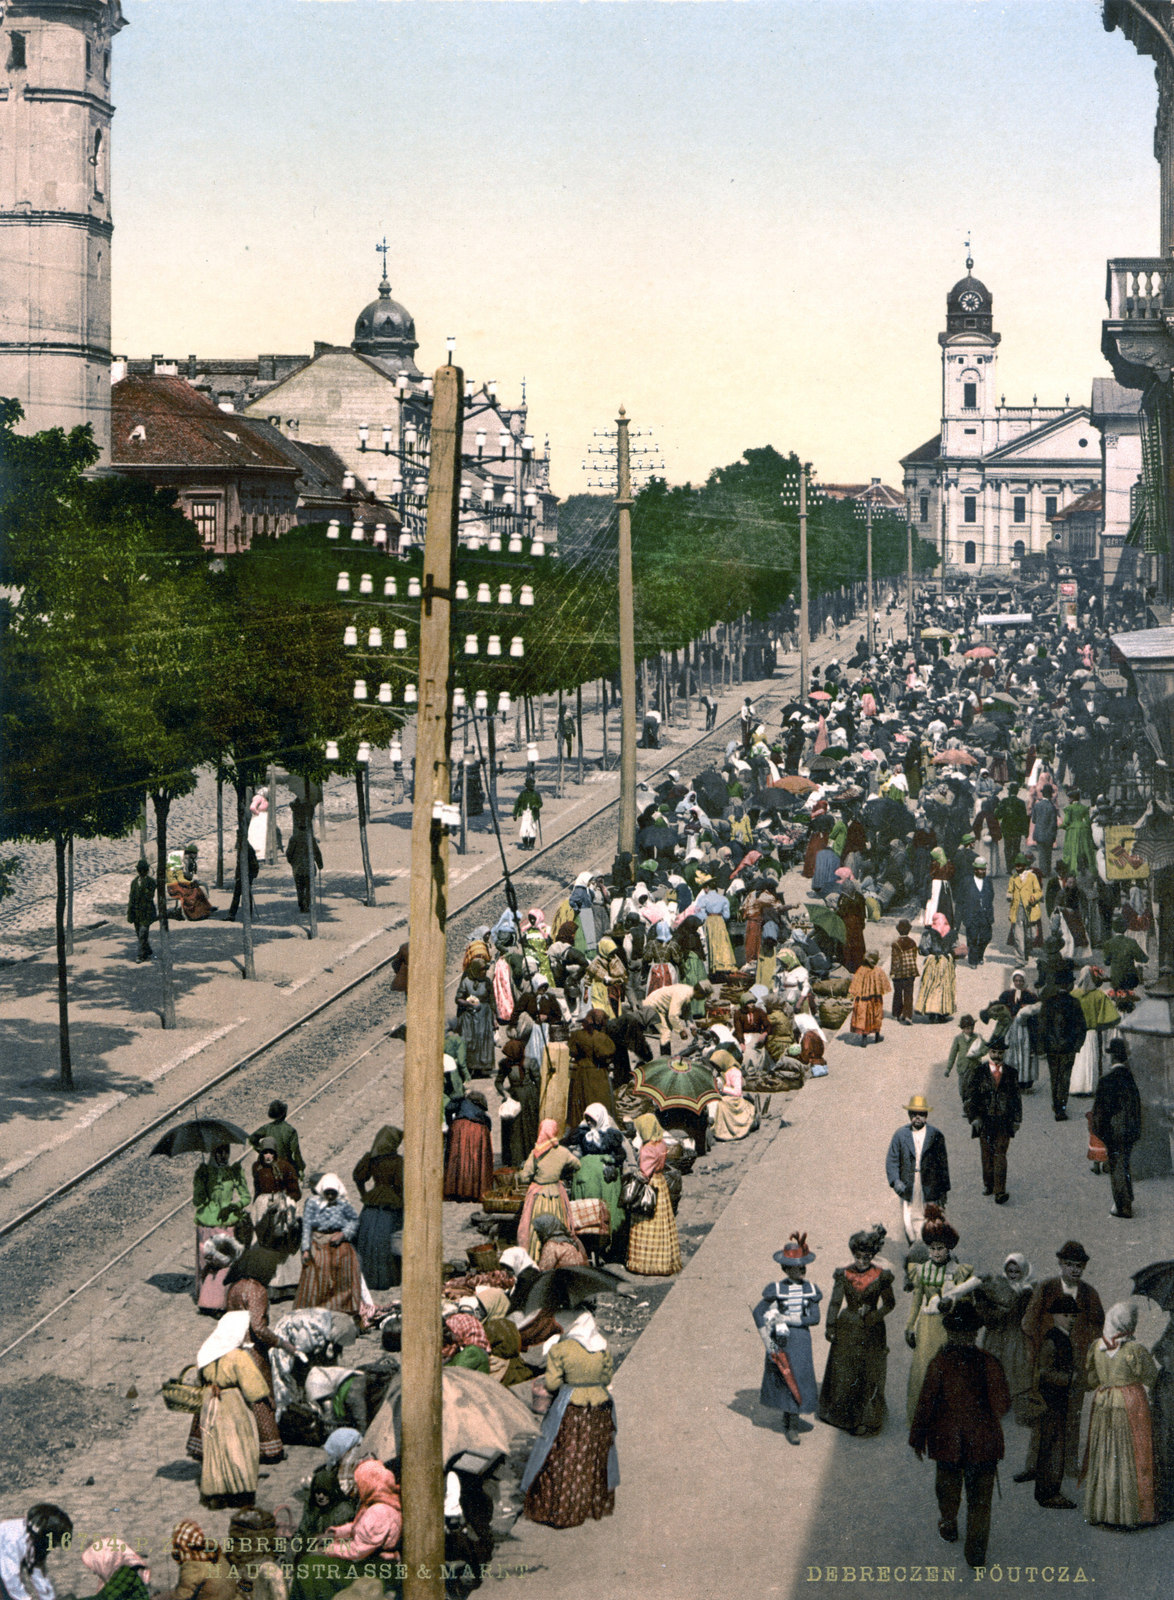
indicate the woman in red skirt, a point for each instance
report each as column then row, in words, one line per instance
column 468, row 1165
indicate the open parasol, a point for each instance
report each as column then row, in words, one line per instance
column 955, row 758
column 1156, row 1282
column 979, row 652
column 656, row 837
column 674, row 1083
column 712, row 791
column 795, row 783
column 568, row 1287
column 776, row 798
column 819, row 694
column 205, row 1134
column 479, row 1421
column 826, row 920
column 936, row 633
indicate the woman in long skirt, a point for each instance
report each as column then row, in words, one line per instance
column 474, row 1003
column 784, row 1317
column 221, row 1199
column 852, row 1395
column 232, row 1385
column 937, row 994
column 249, row 1278
column 867, row 992
column 331, row 1275
column 654, row 1248
column 573, row 1471
column 379, row 1180
column 546, row 1169
column 1119, row 1457
column 937, row 1283
column 468, row 1164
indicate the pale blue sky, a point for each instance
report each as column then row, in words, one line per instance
column 740, row 220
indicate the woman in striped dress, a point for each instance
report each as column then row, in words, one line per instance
column 331, row 1275
column 654, row 1250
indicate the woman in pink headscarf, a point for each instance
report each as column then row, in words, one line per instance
column 123, row 1572
column 545, row 1169
column 821, row 737
column 378, row 1522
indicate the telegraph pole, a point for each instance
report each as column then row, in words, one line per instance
column 909, row 567
column 421, row 1451
column 627, row 643
column 804, row 622
column 871, row 608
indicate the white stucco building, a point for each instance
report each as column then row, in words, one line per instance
column 986, row 485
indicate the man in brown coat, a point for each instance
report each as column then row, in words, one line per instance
column 957, row 1425
column 1087, row 1325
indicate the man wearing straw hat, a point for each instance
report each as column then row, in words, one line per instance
column 917, row 1166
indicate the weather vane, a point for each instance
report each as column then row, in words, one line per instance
column 969, row 259
column 381, row 250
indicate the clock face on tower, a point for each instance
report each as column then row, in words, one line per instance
column 970, row 301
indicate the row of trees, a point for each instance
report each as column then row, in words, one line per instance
column 130, row 662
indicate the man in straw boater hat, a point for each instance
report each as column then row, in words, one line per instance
column 917, row 1167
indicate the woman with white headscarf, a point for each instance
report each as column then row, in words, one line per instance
column 331, row 1275
column 573, row 1469
column 1001, row 1300
column 232, row 1384
column 1119, row 1458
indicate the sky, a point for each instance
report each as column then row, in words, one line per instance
column 740, row 221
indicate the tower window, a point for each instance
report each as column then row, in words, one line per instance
column 1018, row 550
column 969, row 508
column 969, row 396
column 106, row 65
column 16, row 51
column 1049, row 505
column 1020, row 508
column 969, row 553
column 924, row 506
column 96, row 161
column 89, row 58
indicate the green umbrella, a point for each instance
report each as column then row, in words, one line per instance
column 675, row 1084
column 826, row 920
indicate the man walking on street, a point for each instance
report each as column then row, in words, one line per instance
column 1116, row 1121
column 994, row 1110
column 1060, row 1032
column 1087, row 1325
column 917, row 1167
column 1055, row 1376
column 976, row 900
column 140, row 908
column 1025, row 906
column 957, row 1424
column 1043, row 829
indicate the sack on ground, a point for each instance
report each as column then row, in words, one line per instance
column 834, row 1013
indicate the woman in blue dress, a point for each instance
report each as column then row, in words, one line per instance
column 784, row 1316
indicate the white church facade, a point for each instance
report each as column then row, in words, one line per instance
column 984, row 489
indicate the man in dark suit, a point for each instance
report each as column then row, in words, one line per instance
column 1087, row 1325
column 1060, row 1033
column 1116, row 1121
column 917, row 1167
column 975, row 897
column 957, row 1425
column 994, row 1110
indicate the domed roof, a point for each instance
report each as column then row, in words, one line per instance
column 386, row 329
column 969, row 285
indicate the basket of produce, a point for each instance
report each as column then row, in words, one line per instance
column 483, row 1257
column 181, row 1396
column 834, row 1013
column 504, row 1198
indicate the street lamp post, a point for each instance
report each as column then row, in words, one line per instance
column 871, row 608
column 909, row 567
column 804, row 613
column 627, row 644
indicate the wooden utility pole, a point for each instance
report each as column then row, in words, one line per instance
column 579, row 728
column 909, row 567
column 804, row 620
column 627, row 644
column 421, row 1450
column 871, row 630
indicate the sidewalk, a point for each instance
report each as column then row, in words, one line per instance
column 128, row 1069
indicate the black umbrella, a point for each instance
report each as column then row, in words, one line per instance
column 656, row 838
column 777, row 800
column 568, row 1287
column 1156, row 1282
column 712, row 790
column 985, row 733
column 826, row 761
column 205, row 1134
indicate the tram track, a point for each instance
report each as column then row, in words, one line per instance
column 328, row 1025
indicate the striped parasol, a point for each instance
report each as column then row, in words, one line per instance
column 676, row 1084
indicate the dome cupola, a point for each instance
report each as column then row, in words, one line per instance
column 969, row 305
column 385, row 331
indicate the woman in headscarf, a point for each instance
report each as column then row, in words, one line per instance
column 378, row 1522
column 331, row 1274
column 534, row 1327
column 573, row 1471
column 510, row 1083
column 232, row 1385
column 505, row 1341
column 557, row 1246
column 221, row 1198
column 654, row 1249
column 468, row 1162
column 733, row 1116
column 852, row 1395
column 852, row 910
column 474, row 1003
column 663, row 955
column 582, row 903
column 463, row 1331
column 937, row 992
column 1001, row 1300
column 326, row 1507
column 867, row 992
column 545, row 1169
column 204, row 1572
column 1119, row 1456
column 608, row 979
column 124, row 1573
column 381, row 1221
column 1101, row 1018
column 590, row 1052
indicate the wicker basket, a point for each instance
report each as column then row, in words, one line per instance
column 502, row 1203
column 181, row 1396
column 483, row 1257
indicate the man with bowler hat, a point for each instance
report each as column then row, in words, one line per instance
column 994, row 1110
column 1116, row 1120
column 957, row 1424
column 1087, row 1325
column 917, row 1167
column 1060, row 1032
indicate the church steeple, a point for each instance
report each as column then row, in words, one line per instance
column 969, row 304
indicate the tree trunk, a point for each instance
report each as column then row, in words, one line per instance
column 162, row 803
column 491, row 750
column 579, row 726
column 315, row 875
column 242, row 866
column 360, row 790
column 219, row 828
column 542, row 715
column 69, row 900
column 561, row 742
column 271, row 821
column 66, row 1079
column 603, row 705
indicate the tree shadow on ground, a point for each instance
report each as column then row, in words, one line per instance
column 24, row 1044
column 179, row 1471
column 173, row 1282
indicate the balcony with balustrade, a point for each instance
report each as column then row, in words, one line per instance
column 1137, row 338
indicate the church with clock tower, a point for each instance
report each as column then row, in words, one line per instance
column 985, row 488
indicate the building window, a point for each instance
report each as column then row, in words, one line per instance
column 89, row 58
column 969, row 508
column 1020, row 508
column 96, row 161
column 969, row 552
column 16, row 51
column 106, row 65
column 205, row 513
column 1049, row 505
column 1018, row 550
column 924, row 505
column 969, row 396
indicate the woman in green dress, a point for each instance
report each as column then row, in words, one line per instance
column 1079, row 849
column 1119, row 1458
column 936, row 1284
